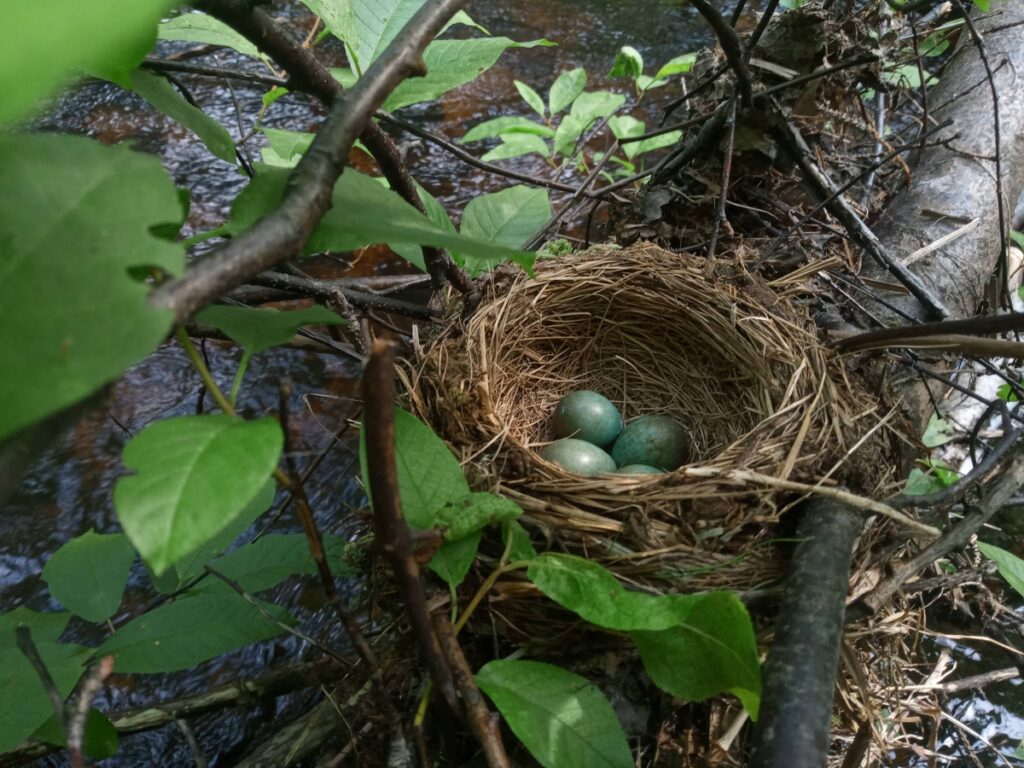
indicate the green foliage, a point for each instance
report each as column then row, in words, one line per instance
column 506, row 218
column 1005, row 392
column 1017, row 238
column 167, row 99
column 195, row 27
column 565, row 89
column 671, row 631
column 586, row 109
column 194, row 475
column 624, row 126
column 99, row 741
column 561, row 718
column 76, row 217
column 531, row 97
column 24, row 703
column 107, row 38
column 935, row 476
column 507, row 125
column 1010, row 566
column 938, row 432
column 191, row 630
column 517, row 145
column 451, row 63
column 628, row 63
column 257, row 330
column 285, row 146
column 88, row 574
column 273, row 558
column 517, row 542
column 382, row 217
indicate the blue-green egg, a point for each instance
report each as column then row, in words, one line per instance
column 578, row 456
column 589, row 416
column 654, row 440
column 639, row 469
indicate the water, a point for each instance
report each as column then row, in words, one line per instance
column 68, row 491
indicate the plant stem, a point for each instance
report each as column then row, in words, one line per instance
column 243, row 364
column 204, row 373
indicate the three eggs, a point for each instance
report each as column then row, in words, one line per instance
column 587, row 423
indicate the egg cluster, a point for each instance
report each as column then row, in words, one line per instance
column 593, row 441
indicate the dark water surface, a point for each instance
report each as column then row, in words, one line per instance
column 69, row 490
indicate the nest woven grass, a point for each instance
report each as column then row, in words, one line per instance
column 768, row 409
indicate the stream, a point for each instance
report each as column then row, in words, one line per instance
column 69, row 489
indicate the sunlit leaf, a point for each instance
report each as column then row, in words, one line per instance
column 677, row 66
column 938, row 432
column 500, row 125
column 509, row 217
column 531, row 97
column 76, row 218
column 194, row 475
column 44, row 45
column 517, row 145
column 628, row 63
column 561, row 718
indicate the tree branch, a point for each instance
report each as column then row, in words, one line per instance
column 306, row 74
column 281, row 234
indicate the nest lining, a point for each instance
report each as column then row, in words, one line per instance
column 654, row 332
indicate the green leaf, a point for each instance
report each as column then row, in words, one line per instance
column 474, row 512
column 338, row 17
column 285, row 145
column 591, row 591
column 1010, row 566
column 363, row 212
column 167, row 99
column 499, row 125
column 677, row 66
column 266, row 563
column 656, row 142
column 509, row 217
column 44, row 45
column 376, row 24
column 628, row 63
column 429, row 476
column 194, row 476
column 190, row 630
column 530, row 96
column 938, row 432
column 24, row 703
column 453, row 559
column 100, row 740
column 88, row 574
column 451, row 63
column 260, row 329
column 595, row 105
column 75, row 217
column 438, row 215
column 521, row 549
column 517, row 145
column 623, row 127
column 561, row 718
column 200, row 28
column 921, row 483
column 712, row 651
column 565, row 89
column 1017, row 238
column 192, row 564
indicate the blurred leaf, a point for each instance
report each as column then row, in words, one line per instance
column 499, row 125
column 517, row 145
column 194, row 476
column 628, row 63
column 565, row 89
column 76, row 217
column 677, row 66
column 191, row 630
column 87, row 575
column 1010, row 566
column 562, row 719
column 530, row 96
column 258, row 329
column 273, row 558
column 45, row 45
column 168, row 100
column 938, row 432
column 100, row 740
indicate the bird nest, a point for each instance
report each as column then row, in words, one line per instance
column 771, row 413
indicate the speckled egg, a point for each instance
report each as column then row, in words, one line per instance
column 579, row 456
column 589, row 416
column 654, row 440
column 639, row 469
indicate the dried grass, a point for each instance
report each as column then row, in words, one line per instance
column 655, row 332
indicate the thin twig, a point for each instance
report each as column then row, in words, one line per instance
column 27, row 646
column 731, row 47
column 730, row 127
column 87, row 690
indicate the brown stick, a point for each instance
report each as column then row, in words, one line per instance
column 390, row 527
